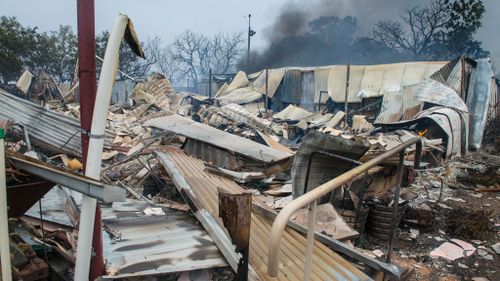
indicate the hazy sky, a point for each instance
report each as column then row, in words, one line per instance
column 167, row 19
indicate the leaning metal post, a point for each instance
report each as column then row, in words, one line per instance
column 399, row 174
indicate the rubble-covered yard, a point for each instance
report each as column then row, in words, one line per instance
column 460, row 210
column 178, row 154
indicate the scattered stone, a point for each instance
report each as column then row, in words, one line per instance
column 496, row 248
column 448, row 251
column 378, row 253
column 455, row 199
column 444, row 206
column 462, row 265
column 452, row 251
column 435, row 184
column 414, row 233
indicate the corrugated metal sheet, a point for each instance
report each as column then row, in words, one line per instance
column 327, row 265
column 321, row 84
column 154, row 91
column 240, row 115
column 241, row 96
column 391, row 109
column 375, row 80
column 451, row 75
column 410, row 106
column 239, row 81
column 290, row 91
column 273, row 81
column 53, row 129
column 191, row 129
column 121, row 91
column 148, row 245
column 292, row 112
column 307, row 84
column 454, row 125
column 430, row 90
column 478, row 98
column 213, row 154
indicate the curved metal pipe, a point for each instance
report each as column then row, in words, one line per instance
column 94, row 158
column 282, row 219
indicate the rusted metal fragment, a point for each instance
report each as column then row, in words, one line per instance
column 235, row 211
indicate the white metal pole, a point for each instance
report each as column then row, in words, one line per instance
column 310, row 240
column 94, row 158
column 4, row 217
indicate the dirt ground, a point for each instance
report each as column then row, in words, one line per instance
column 461, row 213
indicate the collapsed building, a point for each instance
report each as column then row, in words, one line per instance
column 286, row 174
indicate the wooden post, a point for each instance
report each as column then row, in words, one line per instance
column 235, row 211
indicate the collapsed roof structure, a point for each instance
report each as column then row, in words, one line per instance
column 273, row 179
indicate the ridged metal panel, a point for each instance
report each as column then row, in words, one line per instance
column 239, row 114
column 239, row 81
column 291, row 91
column 327, row 265
column 241, row 96
column 432, row 91
column 150, row 245
column 356, row 73
column 321, row 84
column 375, row 80
column 292, row 112
column 53, row 129
column 478, row 99
column 410, row 106
column 391, row 109
column 212, row 154
column 274, row 78
column 337, row 83
column 191, row 129
column 307, row 87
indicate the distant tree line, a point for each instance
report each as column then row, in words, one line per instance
column 441, row 30
column 187, row 60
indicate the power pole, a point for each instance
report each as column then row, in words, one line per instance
column 250, row 34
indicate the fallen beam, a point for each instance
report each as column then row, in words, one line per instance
column 85, row 185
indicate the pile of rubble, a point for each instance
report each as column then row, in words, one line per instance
column 177, row 154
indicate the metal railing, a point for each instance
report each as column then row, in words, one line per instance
column 311, row 198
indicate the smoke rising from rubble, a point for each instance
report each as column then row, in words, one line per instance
column 322, row 32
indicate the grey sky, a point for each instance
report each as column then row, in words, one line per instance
column 167, row 19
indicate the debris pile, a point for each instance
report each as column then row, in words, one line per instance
column 271, row 136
